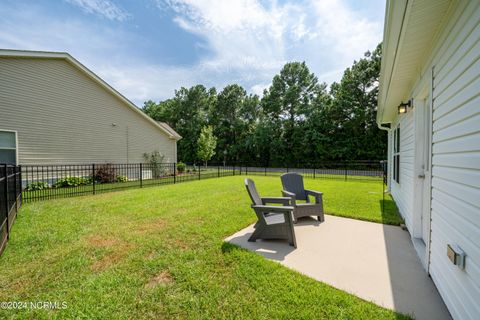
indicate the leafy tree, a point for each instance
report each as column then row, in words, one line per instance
column 353, row 111
column 233, row 118
column 298, row 121
column 286, row 103
column 187, row 114
column 207, row 143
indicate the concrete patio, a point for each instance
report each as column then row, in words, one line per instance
column 373, row 261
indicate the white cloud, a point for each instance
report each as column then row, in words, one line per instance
column 255, row 40
column 103, row 8
column 247, row 41
column 259, row 88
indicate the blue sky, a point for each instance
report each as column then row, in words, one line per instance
column 148, row 48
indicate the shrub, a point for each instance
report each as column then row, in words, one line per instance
column 155, row 160
column 122, row 178
column 105, row 173
column 181, row 167
column 39, row 185
column 71, row 182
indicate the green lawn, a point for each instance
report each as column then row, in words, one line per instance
column 159, row 253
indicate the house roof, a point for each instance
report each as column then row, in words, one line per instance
column 410, row 33
column 169, row 129
column 67, row 57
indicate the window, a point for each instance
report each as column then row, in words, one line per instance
column 8, row 147
column 396, row 154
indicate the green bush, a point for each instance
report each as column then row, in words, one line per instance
column 39, row 185
column 181, row 167
column 71, row 182
column 122, row 178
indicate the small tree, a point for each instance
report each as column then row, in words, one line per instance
column 155, row 160
column 207, row 143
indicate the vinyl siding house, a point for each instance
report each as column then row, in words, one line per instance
column 431, row 57
column 54, row 110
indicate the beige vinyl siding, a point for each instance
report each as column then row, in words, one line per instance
column 403, row 191
column 63, row 116
column 455, row 215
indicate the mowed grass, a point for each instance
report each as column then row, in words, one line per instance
column 159, row 253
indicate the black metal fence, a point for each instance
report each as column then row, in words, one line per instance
column 40, row 182
column 10, row 199
column 28, row 183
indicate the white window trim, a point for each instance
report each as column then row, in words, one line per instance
column 16, row 143
column 396, row 152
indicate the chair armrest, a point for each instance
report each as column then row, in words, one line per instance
column 313, row 193
column 288, row 194
column 279, row 209
column 291, row 195
column 317, row 194
column 287, row 212
column 282, row 200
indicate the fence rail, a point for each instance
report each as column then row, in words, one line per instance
column 41, row 182
column 10, row 200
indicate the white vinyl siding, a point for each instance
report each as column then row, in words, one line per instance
column 456, row 164
column 63, row 116
column 403, row 191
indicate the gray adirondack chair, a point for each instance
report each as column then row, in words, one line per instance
column 274, row 222
column 293, row 187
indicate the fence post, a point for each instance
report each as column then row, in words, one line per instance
column 21, row 185
column 265, row 171
column 383, row 198
column 199, row 171
column 233, row 169
column 15, row 188
column 141, row 175
column 174, row 172
column 6, row 199
column 246, row 169
column 93, row 177
column 313, row 172
column 345, row 172
column 218, row 171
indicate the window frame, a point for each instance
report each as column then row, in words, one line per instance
column 396, row 154
column 16, row 144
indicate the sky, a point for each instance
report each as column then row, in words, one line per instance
column 148, row 48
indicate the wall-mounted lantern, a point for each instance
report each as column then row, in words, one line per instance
column 403, row 107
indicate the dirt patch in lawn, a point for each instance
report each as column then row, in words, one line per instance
column 106, row 251
column 150, row 226
column 111, row 258
column 102, row 242
column 178, row 244
column 163, row 278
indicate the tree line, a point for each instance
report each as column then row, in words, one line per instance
column 297, row 121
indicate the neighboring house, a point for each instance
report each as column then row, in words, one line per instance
column 431, row 57
column 55, row 110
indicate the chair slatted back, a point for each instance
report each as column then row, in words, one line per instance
column 293, row 182
column 252, row 192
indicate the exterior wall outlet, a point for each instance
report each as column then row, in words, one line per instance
column 456, row 255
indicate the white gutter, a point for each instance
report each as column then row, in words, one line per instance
column 389, row 73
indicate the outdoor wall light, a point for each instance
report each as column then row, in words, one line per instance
column 403, row 107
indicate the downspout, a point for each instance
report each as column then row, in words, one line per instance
column 388, row 154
